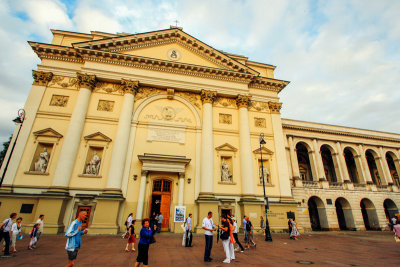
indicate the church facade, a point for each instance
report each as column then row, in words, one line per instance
column 162, row 122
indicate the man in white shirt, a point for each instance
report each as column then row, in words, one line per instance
column 5, row 227
column 244, row 228
column 189, row 231
column 209, row 226
column 41, row 227
column 159, row 222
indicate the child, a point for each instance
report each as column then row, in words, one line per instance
column 131, row 240
column 33, row 234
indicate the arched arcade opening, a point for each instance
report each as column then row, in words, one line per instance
column 344, row 214
column 351, row 165
column 369, row 214
column 317, row 213
column 329, row 165
column 303, row 159
column 390, row 208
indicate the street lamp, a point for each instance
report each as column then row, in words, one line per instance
column 18, row 120
column 268, row 236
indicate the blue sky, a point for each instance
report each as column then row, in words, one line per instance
column 341, row 56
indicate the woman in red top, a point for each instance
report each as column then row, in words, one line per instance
column 131, row 239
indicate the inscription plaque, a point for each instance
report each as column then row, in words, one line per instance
column 166, row 134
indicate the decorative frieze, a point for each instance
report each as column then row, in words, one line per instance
column 41, row 78
column 275, row 107
column 225, row 118
column 109, row 88
column 258, row 106
column 195, row 99
column 64, row 82
column 260, row 122
column 145, row 92
column 105, row 105
column 59, row 100
column 129, row 86
column 86, row 80
column 208, row 96
column 225, row 102
column 243, row 101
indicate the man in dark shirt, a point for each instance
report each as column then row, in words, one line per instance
column 250, row 233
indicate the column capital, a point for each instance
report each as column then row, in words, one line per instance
column 130, row 86
column 41, row 78
column 243, row 101
column 275, row 107
column 181, row 175
column 86, row 80
column 208, row 96
column 144, row 173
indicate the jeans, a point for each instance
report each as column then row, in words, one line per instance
column 235, row 235
column 159, row 227
column 209, row 243
column 6, row 236
column 189, row 237
column 245, row 236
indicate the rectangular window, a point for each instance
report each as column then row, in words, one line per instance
column 26, row 208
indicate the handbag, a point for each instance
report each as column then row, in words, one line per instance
column 20, row 236
column 396, row 239
column 224, row 235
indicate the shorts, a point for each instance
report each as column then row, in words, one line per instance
column 72, row 254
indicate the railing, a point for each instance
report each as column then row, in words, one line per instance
column 382, row 187
column 360, row 186
column 335, row 185
column 310, row 184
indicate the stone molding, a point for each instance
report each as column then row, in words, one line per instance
column 86, row 80
column 130, row 86
column 41, row 78
column 275, row 107
column 208, row 96
column 243, row 101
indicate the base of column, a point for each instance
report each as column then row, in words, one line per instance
column 112, row 193
column 206, row 196
column 57, row 191
column 6, row 189
column 248, row 197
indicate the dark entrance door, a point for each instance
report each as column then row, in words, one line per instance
column 314, row 216
column 88, row 209
column 340, row 216
column 161, row 201
column 365, row 216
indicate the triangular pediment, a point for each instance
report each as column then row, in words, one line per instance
column 264, row 151
column 226, row 147
column 97, row 137
column 48, row 132
column 161, row 44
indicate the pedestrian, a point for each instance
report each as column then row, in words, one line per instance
column 146, row 237
column 209, row 226
column 396, row 230
column 392, row 222
column 5, row 228
column 295, row 232
column 235, row 235
column 250, row 233
column 290, row 228
column 128, row 223
column 189, row 231
column 244, row 228
column 262, row 225
column 15, row 232
column 159, row 222
column 33, row 234
column 226, row 240
column 153, row 220
column 74, row 233
column 41, row 227
column 131, row 236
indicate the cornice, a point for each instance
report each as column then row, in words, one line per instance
column 268, row 83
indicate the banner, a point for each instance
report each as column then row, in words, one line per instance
column 180, row 214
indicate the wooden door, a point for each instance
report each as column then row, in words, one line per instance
column 88, row 209
column 164, row 209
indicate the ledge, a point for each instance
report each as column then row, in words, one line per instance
column 89, row 176
column 227, row 183
column 268, row 185
column 36, row 173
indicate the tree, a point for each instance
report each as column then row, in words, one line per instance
column 4, row 151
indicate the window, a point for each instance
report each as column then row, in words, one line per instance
column 26, row 208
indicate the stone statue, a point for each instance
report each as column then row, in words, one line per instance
column 266, row 175
column 93, row 167
column 42, row 162
column 225, row 175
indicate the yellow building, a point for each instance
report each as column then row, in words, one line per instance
column 121, row 123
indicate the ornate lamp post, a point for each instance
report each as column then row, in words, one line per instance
column 268, row 236
column 18, row 120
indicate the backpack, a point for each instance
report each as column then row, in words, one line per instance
column 4, row 226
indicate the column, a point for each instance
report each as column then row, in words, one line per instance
column 246, row 163
column 343, row 173
column 207, row 147
column 181, row 187
column 293, row 159
column 120, row 147
column 142, row 191
column 385, row 167
column 72, row 139
column 40, row 81
column 364, row 164
column 319, row 163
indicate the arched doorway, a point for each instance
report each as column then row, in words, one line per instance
column 316, row 210
column 390, row 209
column 370, row 217
column 373, row 169
column 392, row 167
column 304, row 162
column 161, row 200
column 344, row 214
column 329, row 166
column 351, row 165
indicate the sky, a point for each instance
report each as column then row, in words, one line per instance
column 342, row 57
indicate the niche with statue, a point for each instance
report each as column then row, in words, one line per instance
column 226, row 170
column 93, row 161
column 41, row 158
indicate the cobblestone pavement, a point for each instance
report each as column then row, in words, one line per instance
column 322, row 249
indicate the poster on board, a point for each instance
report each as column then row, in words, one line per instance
column 180, row 214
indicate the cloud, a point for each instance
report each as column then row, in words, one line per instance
column 342, row 57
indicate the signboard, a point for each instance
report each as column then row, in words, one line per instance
column 180, row 214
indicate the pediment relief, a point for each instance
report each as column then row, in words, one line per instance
column 226, row 147
column 264, row 151
column 97, row 137
column 48, row 132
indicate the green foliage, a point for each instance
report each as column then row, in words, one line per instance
column 4, row 151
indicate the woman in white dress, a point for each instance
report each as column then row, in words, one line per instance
column 295, row 232
column 15, row 230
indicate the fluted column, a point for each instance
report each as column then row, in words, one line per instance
column 319, row 163
column 343, row 173
column 207, row 147
column 72, row 139
column 120, row 147
column 293, row 159
column 181, row 188
column 142, row 191
column 246, row 164
column 40, row 81
column 365, row 168
column 385, row 167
